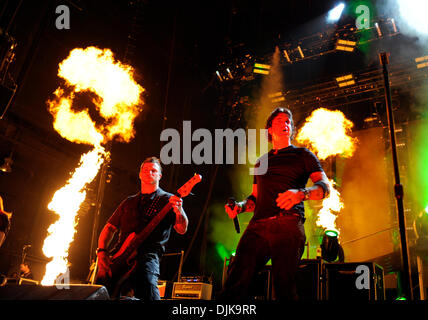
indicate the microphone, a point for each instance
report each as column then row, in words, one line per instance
column 231, row 203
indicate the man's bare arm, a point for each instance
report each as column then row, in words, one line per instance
column 106, row 236
column 316, row 192
column 247, row 205
column 286, row 200
column 181, row 221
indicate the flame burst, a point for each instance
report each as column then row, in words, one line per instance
column 326, row 133
column 331, row 206
column 118, row 103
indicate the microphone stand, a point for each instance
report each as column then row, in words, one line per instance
column 406, row 280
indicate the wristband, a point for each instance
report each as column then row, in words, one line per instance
column 101, row 250
column 324, row 186
column 306, row 194
column 252, row 198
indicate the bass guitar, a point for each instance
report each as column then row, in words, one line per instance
column 123, row 262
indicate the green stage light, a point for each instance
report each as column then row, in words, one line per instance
column 331, row 233
column 330, row 247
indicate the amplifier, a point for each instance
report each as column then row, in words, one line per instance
column 203, row 279
column 188, row 290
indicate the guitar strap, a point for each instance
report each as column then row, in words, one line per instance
column 146, row 208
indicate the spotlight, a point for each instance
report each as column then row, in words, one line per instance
column 414, row 14
column 379, row 32
column 422, row 62
column 345, row 45
column 276, row 97
column 394, row 26
column 330, row 247
column 344, row 81
column 286, row 55
column 219, row 76
column 301, row 52
column 261, row 68
column 335, row 13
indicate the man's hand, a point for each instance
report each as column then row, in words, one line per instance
column 104, row 263
column 289, row 198
column 176, row 203
column 232, row 213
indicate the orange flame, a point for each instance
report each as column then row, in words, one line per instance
column 118, row 103
column 331, row 206
column 326, row 133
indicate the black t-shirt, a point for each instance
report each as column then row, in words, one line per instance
column 135, row 212
column 4, row 223
column 289, row 168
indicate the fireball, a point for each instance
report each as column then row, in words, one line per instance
column 117, row 98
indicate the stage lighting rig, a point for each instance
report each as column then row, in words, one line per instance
column 236, row 69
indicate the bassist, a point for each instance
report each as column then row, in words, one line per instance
column 132, row 215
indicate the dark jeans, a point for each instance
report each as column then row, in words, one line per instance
column 281, row 239
column 144, row 280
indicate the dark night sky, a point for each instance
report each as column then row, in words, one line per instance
column 179, row 41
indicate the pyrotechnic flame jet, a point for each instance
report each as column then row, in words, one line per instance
column 118, row 101
column 326, row 132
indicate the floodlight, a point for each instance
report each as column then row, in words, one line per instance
column 335, row 13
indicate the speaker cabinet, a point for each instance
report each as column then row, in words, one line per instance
column 309, row 284
column 309, row 280
column 261, row 285
column 37, row 292
column 345, row 282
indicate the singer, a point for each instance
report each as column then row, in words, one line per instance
column 276, row 230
